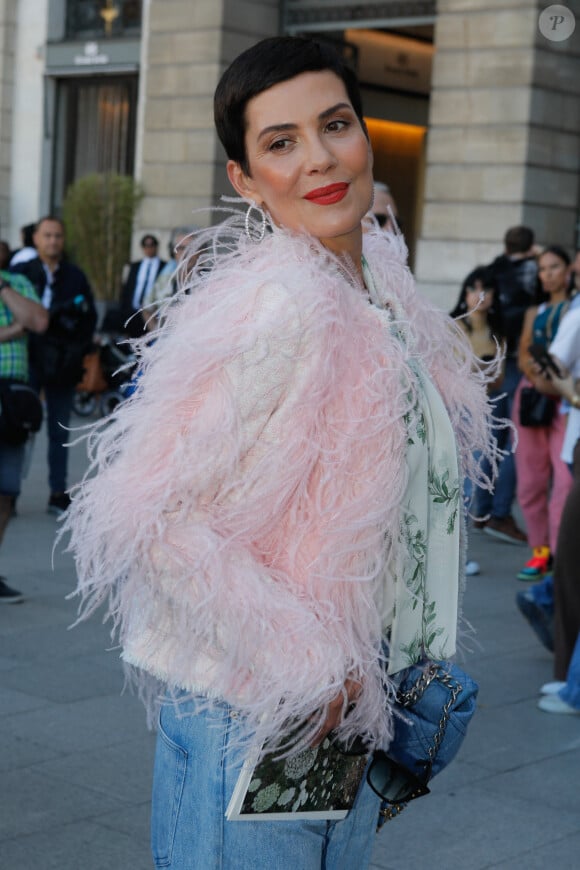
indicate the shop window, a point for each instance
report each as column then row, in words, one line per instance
column 95, row 129
column 95, row 19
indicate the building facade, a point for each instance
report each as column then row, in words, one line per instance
column 473, row 111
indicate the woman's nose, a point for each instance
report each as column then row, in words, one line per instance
column 320, row 158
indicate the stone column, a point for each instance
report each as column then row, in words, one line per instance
column 7, row 42
column 186, row 46
column 504, row 138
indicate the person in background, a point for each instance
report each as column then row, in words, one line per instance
column 563, row 694
column 139, row 283
column 27, row 251
column 384, row 208
column 57, row 356
column 283, row 491
column 478, row 314
column 543, row 479
column 166, row 284
column 20, row 313
column 516, row 276
column 536, row 603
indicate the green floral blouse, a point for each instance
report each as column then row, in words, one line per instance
column 420, row 608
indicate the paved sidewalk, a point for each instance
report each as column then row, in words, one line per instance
column 76, row 759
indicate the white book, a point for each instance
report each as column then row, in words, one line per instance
column 317, row 783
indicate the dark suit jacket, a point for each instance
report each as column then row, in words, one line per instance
column 135, row 327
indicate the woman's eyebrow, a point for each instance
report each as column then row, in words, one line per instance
column 332, row 110
column 276, row 128
column 280, row 128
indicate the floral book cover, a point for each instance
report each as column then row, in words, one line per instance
column 317, row 783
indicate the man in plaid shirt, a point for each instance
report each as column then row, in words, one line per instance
column 20, row 313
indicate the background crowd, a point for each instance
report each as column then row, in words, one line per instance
column 520, row 314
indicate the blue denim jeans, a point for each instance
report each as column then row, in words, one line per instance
column 193, row 780
column 543, row 593
column 11, row 463
column 571, row 691
column 58, row 411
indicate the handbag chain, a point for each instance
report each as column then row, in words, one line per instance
column 412, row 695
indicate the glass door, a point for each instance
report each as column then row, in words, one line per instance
column 95, row 129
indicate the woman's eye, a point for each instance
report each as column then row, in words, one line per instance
column 337, row 125
column 279, row 145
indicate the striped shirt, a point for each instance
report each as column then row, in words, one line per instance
column 14, row 353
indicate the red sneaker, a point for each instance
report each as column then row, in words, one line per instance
column 537, row 567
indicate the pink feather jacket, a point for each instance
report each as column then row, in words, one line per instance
column 240, row 512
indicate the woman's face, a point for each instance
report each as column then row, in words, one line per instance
column 309, row 159
column 553, row 273
column 479, row 297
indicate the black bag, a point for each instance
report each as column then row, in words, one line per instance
column 21, row 412
column 536, row 409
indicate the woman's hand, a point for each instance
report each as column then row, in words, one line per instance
column 338, row 708
column 543, row 382
column 565, row 385
column 547, row 381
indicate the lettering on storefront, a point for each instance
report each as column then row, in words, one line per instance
column 91, row 56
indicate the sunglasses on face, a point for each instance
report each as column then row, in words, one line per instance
column 391, row 781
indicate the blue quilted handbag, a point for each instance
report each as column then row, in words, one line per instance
column 435, row 703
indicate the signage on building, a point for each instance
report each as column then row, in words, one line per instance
column 392, row 61
column 319, row 14
column 91, row 56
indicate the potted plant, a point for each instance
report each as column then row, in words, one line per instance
column 98, row 212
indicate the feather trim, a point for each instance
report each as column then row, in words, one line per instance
column 237, row 516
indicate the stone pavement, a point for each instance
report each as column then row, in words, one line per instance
column 76, row 758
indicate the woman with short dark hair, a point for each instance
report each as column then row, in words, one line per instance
column 280, row 499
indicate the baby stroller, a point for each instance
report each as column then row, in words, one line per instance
column 109, row 371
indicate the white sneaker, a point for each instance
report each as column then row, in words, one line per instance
column 472, row 568
column 555, row 704
column 551, row 688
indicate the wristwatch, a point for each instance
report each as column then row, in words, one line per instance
column 575, row 401
column 3, row 284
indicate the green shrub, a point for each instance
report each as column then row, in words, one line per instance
column 98, row 212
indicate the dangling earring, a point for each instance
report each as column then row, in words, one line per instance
column 255, row 229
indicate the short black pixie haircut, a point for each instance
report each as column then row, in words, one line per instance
column 264, row 65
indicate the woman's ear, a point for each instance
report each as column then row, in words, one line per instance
column 241, row 182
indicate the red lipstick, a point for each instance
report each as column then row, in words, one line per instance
column 328, row 195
